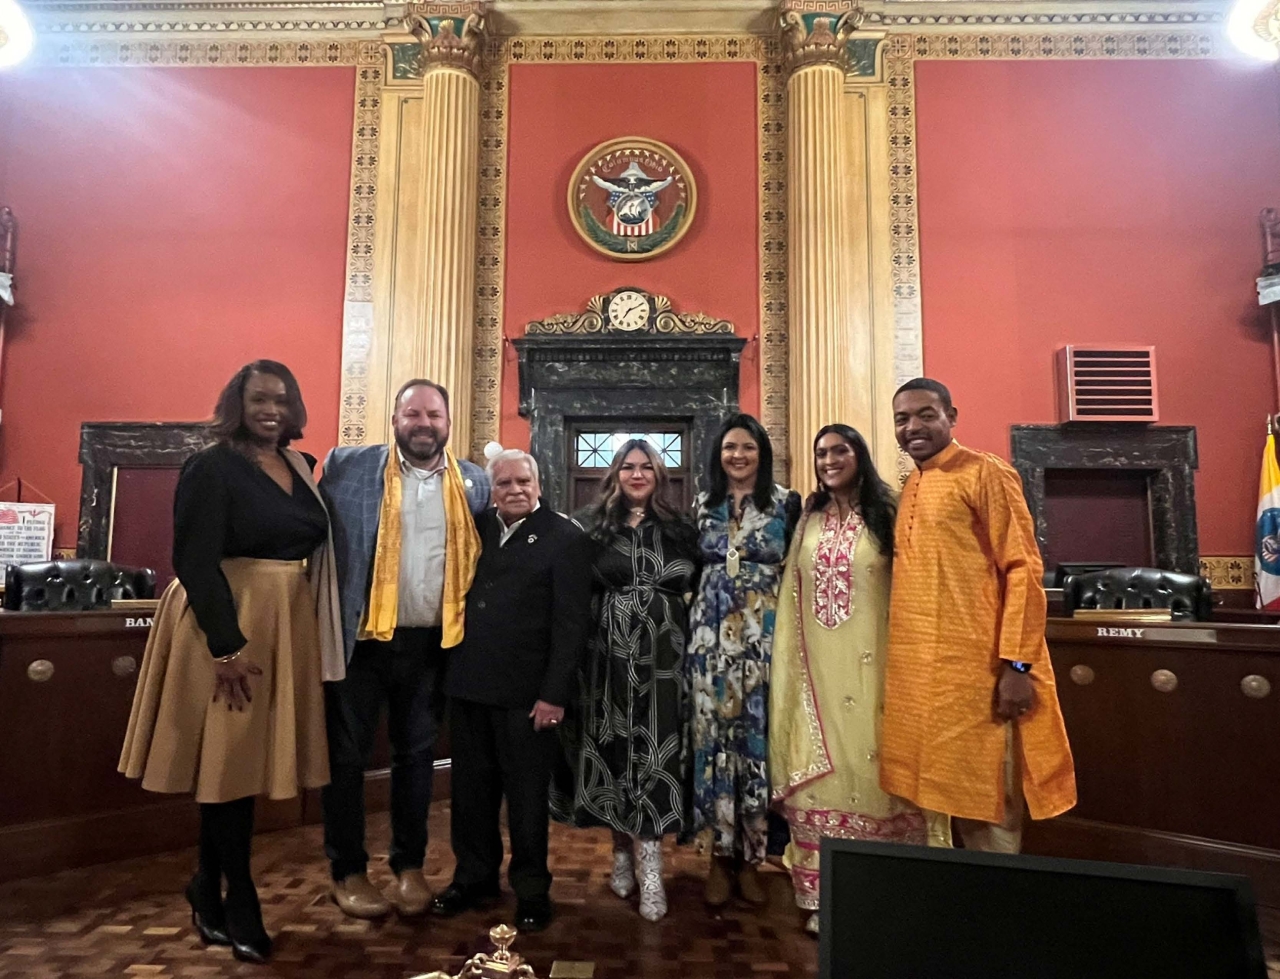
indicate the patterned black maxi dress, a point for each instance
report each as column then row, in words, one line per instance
column 626, row 737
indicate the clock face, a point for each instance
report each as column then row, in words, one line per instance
column 628, row 311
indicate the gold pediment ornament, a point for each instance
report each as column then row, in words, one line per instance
column 628, row 311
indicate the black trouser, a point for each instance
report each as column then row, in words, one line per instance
column 406, row 674
column 496, row 752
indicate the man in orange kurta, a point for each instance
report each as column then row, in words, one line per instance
column 971, row 718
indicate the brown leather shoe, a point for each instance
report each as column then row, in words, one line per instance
column 750, row 886
column 359, row 898
column 719, row 882
column 410, row 894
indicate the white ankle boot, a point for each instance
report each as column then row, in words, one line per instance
column 653, row 898
column 623, row 879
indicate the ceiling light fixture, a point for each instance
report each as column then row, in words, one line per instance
column 1253, row 28
column 16, row 37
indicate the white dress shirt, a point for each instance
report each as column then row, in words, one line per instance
column 422, row 544
column 508, row 531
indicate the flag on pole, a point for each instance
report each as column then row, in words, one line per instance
column 1266, row 559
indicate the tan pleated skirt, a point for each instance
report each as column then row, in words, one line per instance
column 179, row 740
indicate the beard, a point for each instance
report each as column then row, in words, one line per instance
column 427, row 436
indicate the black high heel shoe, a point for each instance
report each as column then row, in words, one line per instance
column 207, row 916
column 248, row 937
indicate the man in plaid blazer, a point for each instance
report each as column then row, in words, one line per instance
column 406, row 673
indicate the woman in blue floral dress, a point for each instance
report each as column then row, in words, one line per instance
column 744, row 528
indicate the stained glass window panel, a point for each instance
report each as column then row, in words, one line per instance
column 595, row 450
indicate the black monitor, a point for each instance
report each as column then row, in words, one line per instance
column 891, row 911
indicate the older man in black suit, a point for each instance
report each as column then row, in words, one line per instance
column 528, row 618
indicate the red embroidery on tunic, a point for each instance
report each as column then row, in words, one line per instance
column 833, row 568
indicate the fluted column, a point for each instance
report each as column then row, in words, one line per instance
column 451, row 122
column 425, row 231
column 818, row 235
column 830, row 329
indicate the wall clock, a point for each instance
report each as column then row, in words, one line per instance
column 629, row 310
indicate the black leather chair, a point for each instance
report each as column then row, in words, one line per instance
column 73, row 586
column 1188, row 596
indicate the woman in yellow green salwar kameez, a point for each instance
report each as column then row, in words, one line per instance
column 828, row 666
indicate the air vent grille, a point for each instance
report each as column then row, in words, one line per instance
column 1107, row 384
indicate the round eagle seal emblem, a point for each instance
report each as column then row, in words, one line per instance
column 632, row 198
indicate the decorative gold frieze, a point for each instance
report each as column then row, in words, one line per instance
column 357, row 315
column 1231, row 573
column 614, row 18
column 662, row 319
column 106, row 53
column 657, row 48
column 774, row 342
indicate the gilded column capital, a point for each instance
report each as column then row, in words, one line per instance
column 818, row 32
column 437, row 35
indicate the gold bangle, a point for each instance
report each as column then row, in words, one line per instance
column 228, row 658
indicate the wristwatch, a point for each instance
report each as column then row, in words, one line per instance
column 1019, row 665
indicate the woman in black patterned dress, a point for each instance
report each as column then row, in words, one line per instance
column 627, row 738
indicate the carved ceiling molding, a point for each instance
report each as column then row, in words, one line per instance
column 162, row 51
column 354, row 19
column 367, row 19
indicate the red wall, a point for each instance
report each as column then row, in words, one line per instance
column 1094, row 201
column 707, row 114
column 175, row 223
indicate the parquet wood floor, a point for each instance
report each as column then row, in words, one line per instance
column 129, row 920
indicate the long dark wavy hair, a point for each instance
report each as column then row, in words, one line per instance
column 607, row 516
column 874, row 498
column 228, row 415
column 763, row 491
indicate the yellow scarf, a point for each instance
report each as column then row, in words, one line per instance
column 461, row 554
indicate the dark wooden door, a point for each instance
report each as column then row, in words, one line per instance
column 593, row 444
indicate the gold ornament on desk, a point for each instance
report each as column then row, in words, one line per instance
column 501, row 964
